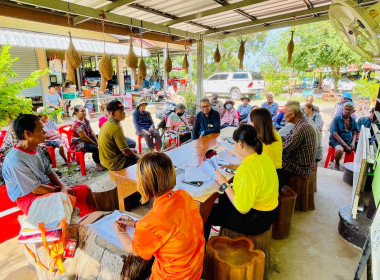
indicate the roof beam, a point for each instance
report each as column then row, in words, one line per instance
column 94, row 13
column 267, row 20
column 107, row 8
column 272, row 26
column 308, row 4
column 28, row 13
column 239, row 11
column 214, row 11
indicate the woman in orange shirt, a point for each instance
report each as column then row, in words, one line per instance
column 172, row 231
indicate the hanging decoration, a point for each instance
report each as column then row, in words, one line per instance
column 105, row 64
column 185, row 63
column 142, row 66
column 168, row 61
column 72, row 56
column 132, row 60
column 217, row 56
column 241, row 53
column 290, row 48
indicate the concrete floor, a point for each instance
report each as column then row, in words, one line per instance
column 314, row 249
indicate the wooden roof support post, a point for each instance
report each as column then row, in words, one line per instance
column 120, row 75
column 158, row 68
column 200, row 65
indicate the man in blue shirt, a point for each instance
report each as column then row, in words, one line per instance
column 343, row 133
column 207, row 121
column 271, row 106
column 53, row 99
column 244, row 110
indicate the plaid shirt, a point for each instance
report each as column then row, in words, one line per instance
column 300, row 148
column 9, row 140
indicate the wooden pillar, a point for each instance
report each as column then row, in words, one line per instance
column 96, row 63
column 190, row 68
column 120, row 75
column 42, row 63
column 158, row 67
column 165, row 74
column 200, row 64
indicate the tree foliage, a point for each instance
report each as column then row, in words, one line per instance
column 11, row 103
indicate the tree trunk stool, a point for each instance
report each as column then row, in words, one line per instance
column 94, row 258
column 105, row 197
column 261, row 241
column 286, row 204
column 305, row 192
column 228, row 258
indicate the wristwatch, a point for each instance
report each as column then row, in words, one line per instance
column 223, row 187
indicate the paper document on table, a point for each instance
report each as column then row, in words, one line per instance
column 196, row 191
column 231, row 159
column 104, row 228
column 132, row 172
column 225, row 143
column 204, row 172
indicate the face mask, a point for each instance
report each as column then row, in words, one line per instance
column 179, row 114
column 228, row 106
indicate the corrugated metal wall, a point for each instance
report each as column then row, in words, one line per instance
column 24, row 66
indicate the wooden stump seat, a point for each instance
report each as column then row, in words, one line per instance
column 105, row 197
column 304, row 187
column 261, row 241
column 228, row 258
column 286, row 204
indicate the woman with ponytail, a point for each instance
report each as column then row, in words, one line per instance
column 250, row 207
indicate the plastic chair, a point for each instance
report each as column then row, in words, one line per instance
column 51, row 150
column 67, row 130
column 331, row 156
column 238, row 113
column 139, row 137
column 2, row 135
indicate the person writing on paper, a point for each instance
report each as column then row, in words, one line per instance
column 207, row 121
column 27, row 171
column 175, row 240
column 251, row 206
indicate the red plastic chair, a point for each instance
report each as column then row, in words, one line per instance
column 139, row 137
column 51, row 150
column 171, row 139
column 2, row 135
column 280, row 109
column 9, row 213
column 331, row 157
column 67, row 130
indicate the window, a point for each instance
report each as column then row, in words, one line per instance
column 240, row 76
column 223, row 76
column 256, row 76
column 213, row 77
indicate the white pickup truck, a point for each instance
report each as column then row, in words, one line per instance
column 235, row 84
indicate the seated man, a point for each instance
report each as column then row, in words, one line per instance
column 216, row 103
column 207, row 120
column 145, row 126
column 113, row 148
column 310, row 100
column 343, row 133
column 271, row 106
column 27, row 172
column 300, row 145
column 244, row 110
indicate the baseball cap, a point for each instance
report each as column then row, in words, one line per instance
column 347, row 95
column 114, row 105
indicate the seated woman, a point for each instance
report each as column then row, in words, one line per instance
column 84, row 138
column 131, row 143
column 261, row 119
column 176, row 241
column 178, row 123
column 145, row 126
column 228, row 115
column 53, row 138
column 251, row 206
column 311, row 114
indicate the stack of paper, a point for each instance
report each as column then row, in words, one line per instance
column 227, row 157
column 104, row 228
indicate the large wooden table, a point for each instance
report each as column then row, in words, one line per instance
column 188, row 154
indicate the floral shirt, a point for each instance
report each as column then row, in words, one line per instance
column 77, row 144
column 228, row 116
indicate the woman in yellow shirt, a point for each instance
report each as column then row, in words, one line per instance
column 261, row 119
column 250, row 207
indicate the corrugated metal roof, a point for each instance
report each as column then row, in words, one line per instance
column 56, row 42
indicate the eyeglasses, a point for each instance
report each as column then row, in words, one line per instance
column 204, row 107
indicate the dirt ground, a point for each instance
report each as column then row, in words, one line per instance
column 12, row 256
